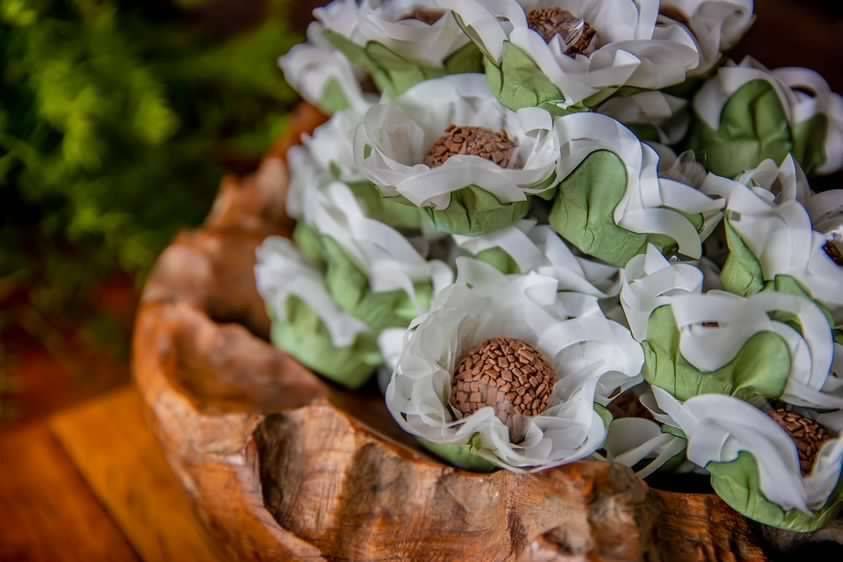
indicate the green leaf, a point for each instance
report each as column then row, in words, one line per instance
column 466, row 60
column 474, row 211
column 583, row 213
column 500, row 260
column 753, row 128
column 349, row 287
column 518, row 82
column 396, row 212
column 305, row 337
column 401, row 74
column 333, row 98
column 760, row 368
column 462, row 456
column 738, row 484
column 809, row 143
column 742, row 273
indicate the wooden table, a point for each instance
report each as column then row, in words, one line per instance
column 92, row 485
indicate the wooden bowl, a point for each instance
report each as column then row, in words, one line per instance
column 282, row 465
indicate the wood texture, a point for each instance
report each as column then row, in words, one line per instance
column 48, row 511
column 122, row 462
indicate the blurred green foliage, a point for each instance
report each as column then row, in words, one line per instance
column 115, row 120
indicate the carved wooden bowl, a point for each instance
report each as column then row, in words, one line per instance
column 284, row 466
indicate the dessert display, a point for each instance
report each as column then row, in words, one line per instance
column 530, row 256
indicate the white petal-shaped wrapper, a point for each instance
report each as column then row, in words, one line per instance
column 282, row 272
column 483, row 304
column 719, row 427
column 332, row 145
column 393, row 140
column 803, row 94
column 540, row 249
column 649, row 281
column 634, row 47
column 310, row 69
column 387, row 23
column 652, row 204
column 656, row 109
column 684, row 167
column 763, row 206
column 717, row 25
column 713, row 327
column 307, row 179
column 390, row 260
column 631, row 441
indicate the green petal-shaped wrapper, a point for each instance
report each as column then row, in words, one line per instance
column 743, row 275
column 466, row 455
column 753, row 127
column 333, row 98
column 396, row 212
column 738, row 484
column 500, row 260
column 474, row 211
column 394, row 74
column 349, row 286
column 760, row 369
column 463, row 456
column 583, row 212
column 518, row 82
column 305, row 337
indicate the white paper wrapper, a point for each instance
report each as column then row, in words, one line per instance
column 633, row 46
column 639, row 442
column 713, row 327
column 538, row 248
column 281, row 272
column 652, row 204
column 719, row 427
column 384, row 23
column 332, row 145
column 311, row 68
column 483, row 304
column 717, row 25
column 663, row 113
column 764, row 207
column 803, row 94
column 394, row 139
column 390, row 260
column 649, row 281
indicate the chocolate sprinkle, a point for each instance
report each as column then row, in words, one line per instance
column 507, row 374
column 425, row 15
column 832, row 250
column 808, row 435
column 477, row 141
column 550, row 22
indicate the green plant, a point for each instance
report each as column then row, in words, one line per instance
column 117, row 120
column 113, row 123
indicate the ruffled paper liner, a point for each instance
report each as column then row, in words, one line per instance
column 594, row 354
column 321, row 335
column 526, row 71
column 715, row 27
column 771, row 236
column 323, row 76
column 393, row 140
column 614, row 218
column 753, row 462
column 531, row 247
column 750, row 102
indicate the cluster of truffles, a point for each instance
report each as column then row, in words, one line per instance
column 551, row 231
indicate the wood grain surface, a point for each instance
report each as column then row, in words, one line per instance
column 92, row 485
